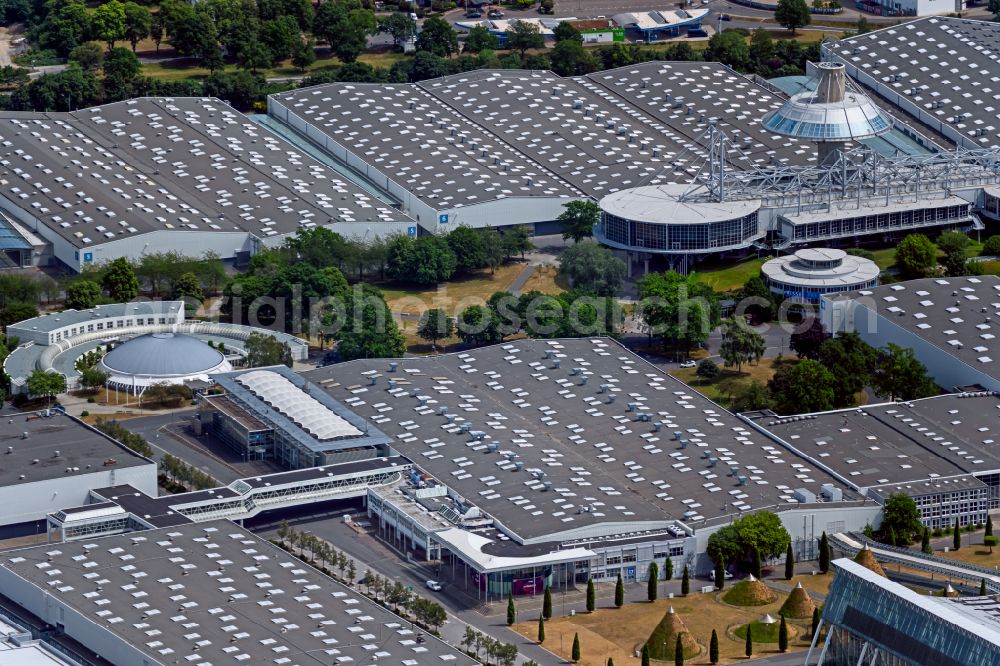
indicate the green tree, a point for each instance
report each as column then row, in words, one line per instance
column 808, row 337
column 956, row 538
column 679, row 650
column 368, row 329
column 591, row 596
column 707, row 370
column 82, row 295
column 991, row 248
column 644, row 655
column 467, row 245
column 120, row 282
column 400, row 26
column 814, row 622
column 792, row 14
column 989, row 526
column 435, row 325
column 253, row 56
column 619, row 592
column 668, row 568
column 593, row 268
column 138, row 22
column 156, row 29
column 264, row 350
column 753, row 396
column 804, row 387
column 547, row 603
column 720, row 574
column 187, row 287
column 713, row 648
column 755, row 563
column 748, row 649
column 990, row 541
column 982, row 587
column 567, row 31
column 901, row 515
column 437, row 37
column 571, row 58
column 756, row 295
column 740, row 343
column 480, row 39
column 915, row 256
column 575, row 653
column 121, row 69
column 89, row 55
column 491, row 245
column 654, row 575
column 93, row 378
column 824, row 554
column 46, row 384
column 851, row 361
column 955, row 246
column 516, row 240
column 685, row 582
column 304, row 55
column 730, row 48
column 783, row 636
column 761, row 532
column 511, row 611
column 541, row 630
column 578, row 219
column 898, row 375
column 13, row 312
column 280, row 36
column 108, row 22
column 524, row 36
column 424, row 260
column 789, row 562
column 679, row 310
column 478, row 325
column 345, row 27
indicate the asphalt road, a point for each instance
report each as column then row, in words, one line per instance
column 160, row 431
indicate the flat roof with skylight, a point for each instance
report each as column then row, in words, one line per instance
column 937, row 442
column 943, row 68
column 959, row 315
column 562, row 437
column 208, row 593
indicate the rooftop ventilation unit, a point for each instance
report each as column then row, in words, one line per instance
column 391, row 384
column 465, row 427
column 611, row 398
column 831, row 493
column 556, row 363
column 442, row 410
column 684, row 443
column 546, row 485
column 549, row 353
column 373, row 380
column 631, row 407
column 492, row 447
column 392, row 366
column 575, row 371
column 656, row 426
column 677, row 435
column 583, row 380
column 605, row 388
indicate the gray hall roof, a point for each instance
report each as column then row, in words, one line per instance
column 561, row 435
column 946, row 66
column 930, row 440
column 38, row 448
column 215, row 593
column 54, row 321
column 185, row 164
column 959, row 315
column 487, row 134
column 162, row 355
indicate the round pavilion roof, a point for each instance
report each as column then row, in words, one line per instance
column 163, row 355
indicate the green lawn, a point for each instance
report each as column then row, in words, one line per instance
column 760, row 633
column 731, row 277
column 187, row 68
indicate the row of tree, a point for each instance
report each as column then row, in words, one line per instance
column 917, row 256
column 178, row 471
column 489, row 650
column 437, row 258
column 127, row 438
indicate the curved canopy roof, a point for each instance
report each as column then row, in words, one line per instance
column 163, row 355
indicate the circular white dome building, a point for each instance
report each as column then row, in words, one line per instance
column 812, row 272
column 161, row 358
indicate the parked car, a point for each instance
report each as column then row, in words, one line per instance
column 725, row 17
column 413, row 16
column 495, row 14
column 689, row 364
column 433, row 585
column 473, row 13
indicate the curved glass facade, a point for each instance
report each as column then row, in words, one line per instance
column 739, row 232
column 852, row 122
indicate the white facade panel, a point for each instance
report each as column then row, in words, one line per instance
column 24, row 502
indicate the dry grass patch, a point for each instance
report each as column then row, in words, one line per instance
column 547, row 280
column 617, row 633
column 453, row 296
column 977, row 553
